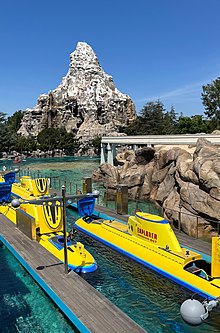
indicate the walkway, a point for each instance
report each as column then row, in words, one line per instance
column 108, row 144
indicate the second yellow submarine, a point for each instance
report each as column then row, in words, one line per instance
column 150, row 240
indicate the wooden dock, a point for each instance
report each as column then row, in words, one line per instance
column 87, row 309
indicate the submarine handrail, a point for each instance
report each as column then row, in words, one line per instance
column 205, row 273
column 172, row 252
column 180, row 214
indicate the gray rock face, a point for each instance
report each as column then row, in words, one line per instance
column 86, row 102
column 186, row 186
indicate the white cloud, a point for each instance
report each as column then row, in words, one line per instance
column 189, row 92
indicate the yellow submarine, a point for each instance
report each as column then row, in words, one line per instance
column 27, row 188
column 44, row 222
column 150, row 240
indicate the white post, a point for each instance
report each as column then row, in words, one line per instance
column 102, row 153
column 110, row 154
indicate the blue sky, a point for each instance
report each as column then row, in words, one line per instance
column 154, row 49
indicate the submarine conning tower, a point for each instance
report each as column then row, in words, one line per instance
column 37, row 187
column 154, row 229
column 48, row 218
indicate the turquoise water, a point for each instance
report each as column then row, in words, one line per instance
column 24, row 307
column 69, row 170
column 148, row 298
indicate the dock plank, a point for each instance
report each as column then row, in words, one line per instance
column 93, row 310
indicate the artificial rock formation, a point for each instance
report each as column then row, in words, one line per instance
column 86, row 102
column 185, row 185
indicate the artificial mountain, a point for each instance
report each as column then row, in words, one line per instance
column 86, row 102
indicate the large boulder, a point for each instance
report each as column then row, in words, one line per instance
column 206, row 165
column 166, row 186
column 200, row 201
column 184, row 166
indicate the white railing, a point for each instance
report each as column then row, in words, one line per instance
column 109, row 143
column 183, row 139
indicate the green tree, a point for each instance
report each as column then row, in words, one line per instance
column 57, row 138
column 154, row 119
column 134, row 127
column 169, row 123
column 211, row 102
column 14, row 122
column 12, row 125
column 24, row 145
column 192, row 125
column 3, row 132
column 68, row 142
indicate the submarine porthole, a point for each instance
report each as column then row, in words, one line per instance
column 60, row 240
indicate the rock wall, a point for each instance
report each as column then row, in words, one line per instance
column 86, row 102
column 186, row 185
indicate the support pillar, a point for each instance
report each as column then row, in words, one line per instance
column 122, row 199
column 102, row 153
column 110, row 154
column 87, row 184
column 113, row 152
